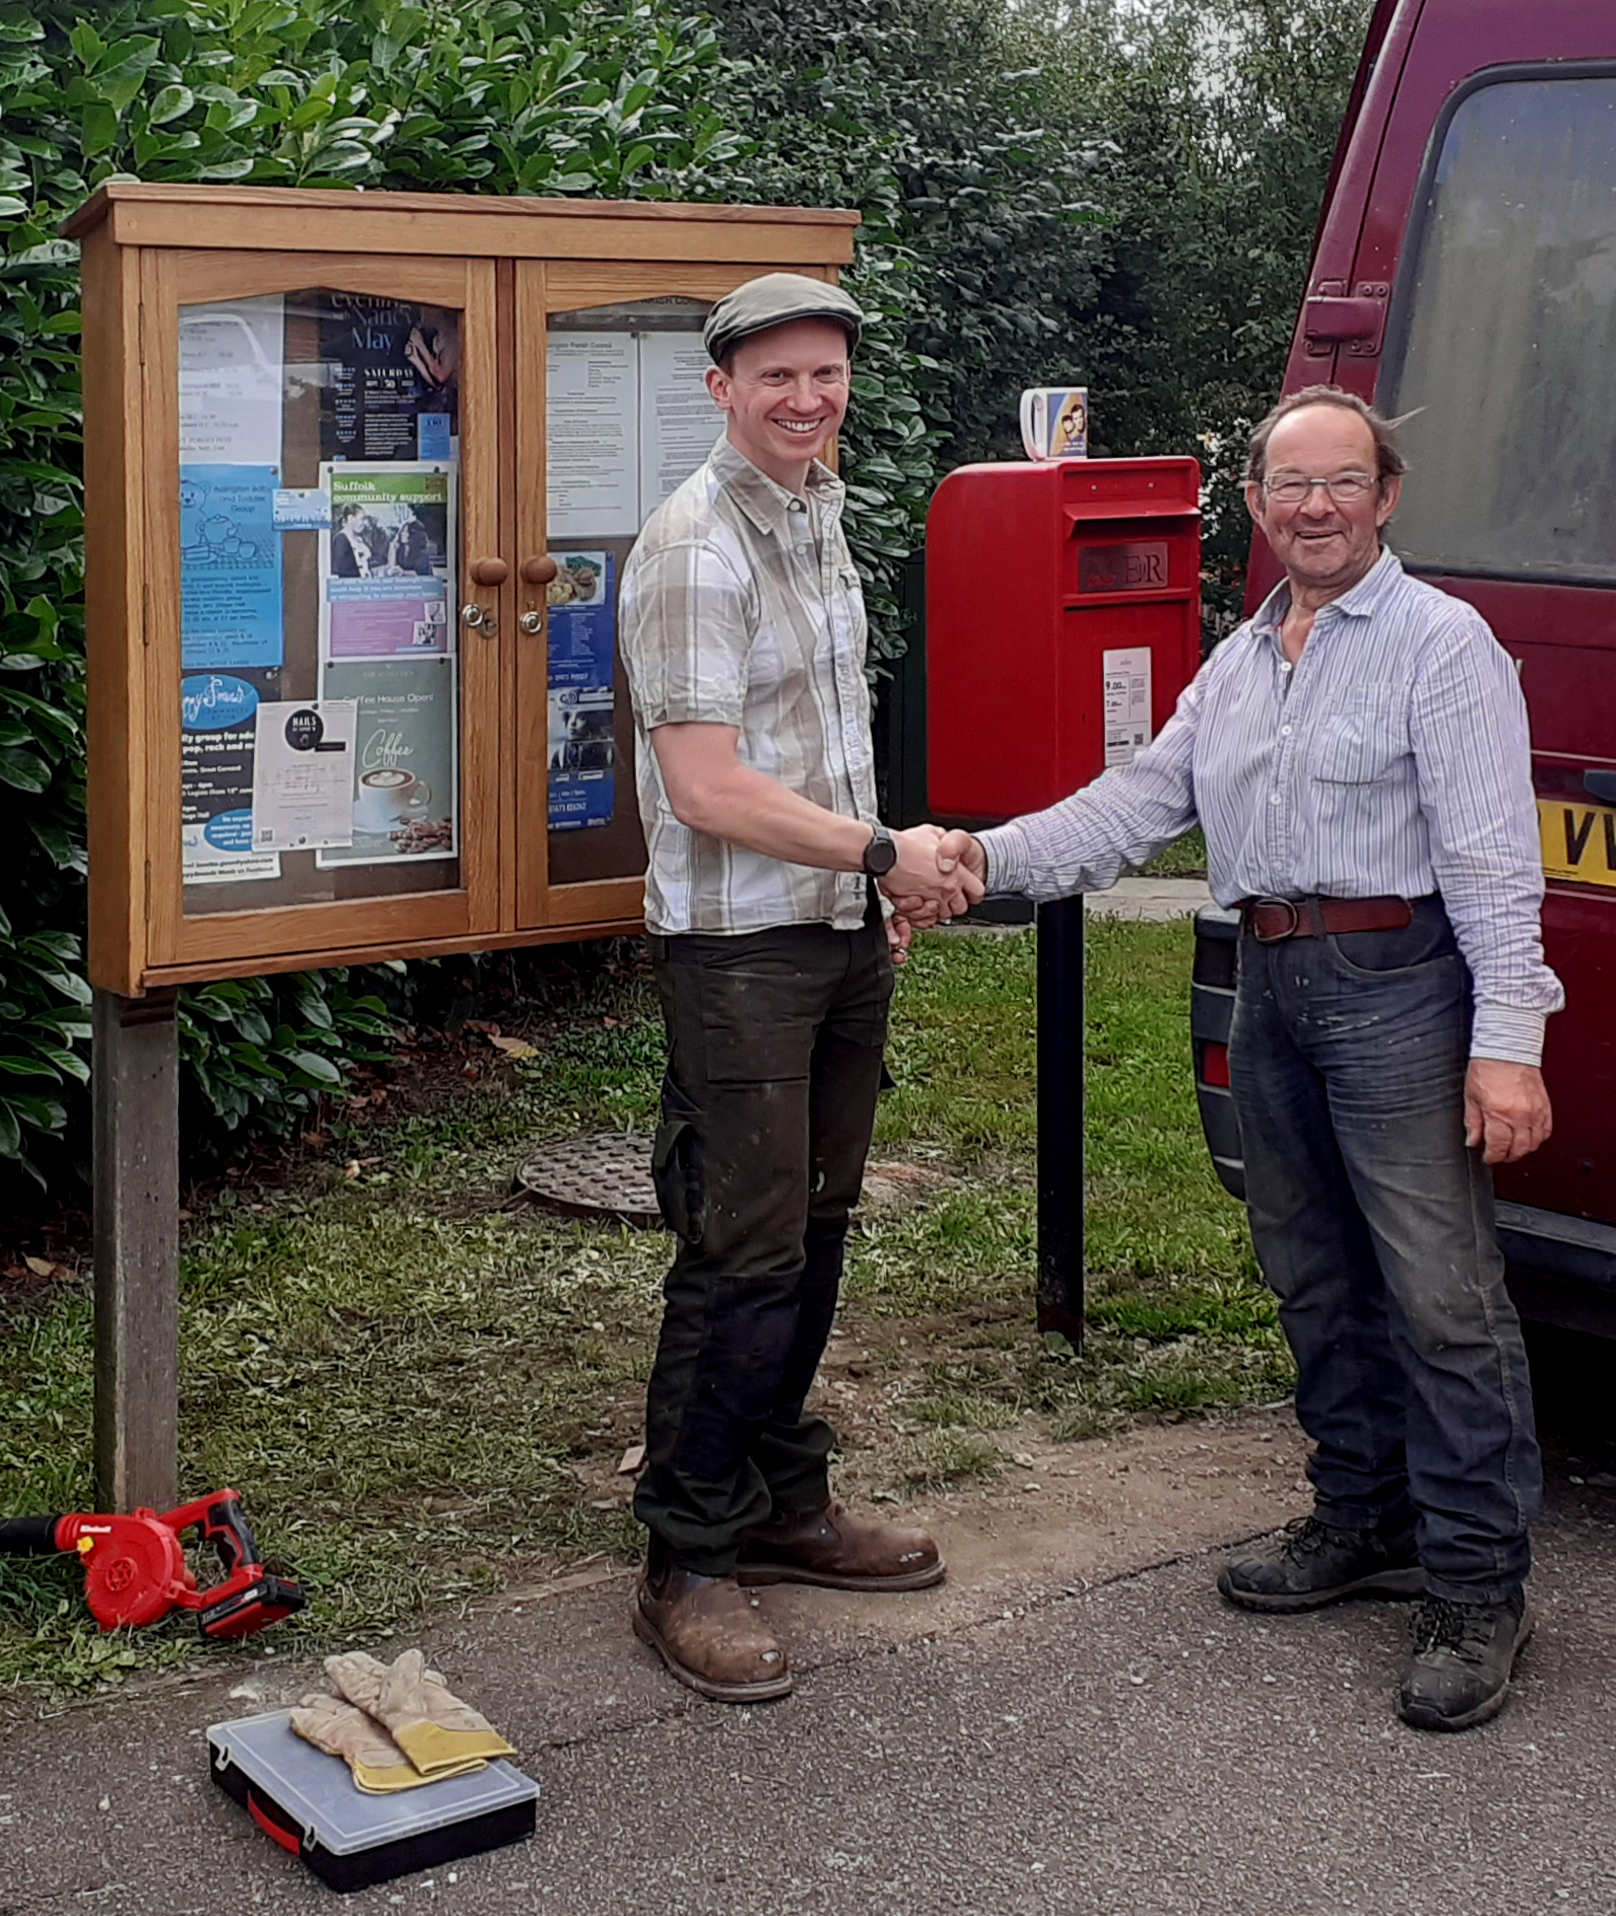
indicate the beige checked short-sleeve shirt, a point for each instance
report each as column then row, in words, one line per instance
column 740, row 606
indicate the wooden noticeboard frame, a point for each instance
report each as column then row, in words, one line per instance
column 184, row 884
column 502, row 267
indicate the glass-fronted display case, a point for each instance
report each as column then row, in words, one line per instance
column 363, row 474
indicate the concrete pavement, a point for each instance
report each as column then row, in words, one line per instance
column 1149, row 900
column 1141, row 900
column 1073, row 1722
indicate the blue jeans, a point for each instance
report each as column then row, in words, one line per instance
column 1373, row 1225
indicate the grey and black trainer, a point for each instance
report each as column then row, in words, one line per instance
column 1312, row 1563
column 1461, row 1657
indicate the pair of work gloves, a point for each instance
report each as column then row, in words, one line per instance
column 396, row 1725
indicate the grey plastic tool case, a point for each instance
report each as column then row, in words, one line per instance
column 307, row 1802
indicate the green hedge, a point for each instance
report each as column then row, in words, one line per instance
column 503, row 98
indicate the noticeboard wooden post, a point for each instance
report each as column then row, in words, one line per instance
column 361, row 474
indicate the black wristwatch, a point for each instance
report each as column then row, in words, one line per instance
column 881, row 854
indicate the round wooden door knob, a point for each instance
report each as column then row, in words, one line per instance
column 539, row 571
column 489, row 571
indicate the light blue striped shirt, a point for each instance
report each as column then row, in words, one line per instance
column 1392, row 759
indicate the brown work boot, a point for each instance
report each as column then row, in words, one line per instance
column 838, row 1551
column 711, row 1636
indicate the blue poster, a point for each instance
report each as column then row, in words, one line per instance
column 583, row 750
column 230, row 568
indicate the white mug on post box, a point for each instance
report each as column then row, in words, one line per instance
column 388, row 796
column 1055, row 422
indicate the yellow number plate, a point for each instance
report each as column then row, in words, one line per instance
column 1579, row 841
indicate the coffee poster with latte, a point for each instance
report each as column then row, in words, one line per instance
column 406, row 794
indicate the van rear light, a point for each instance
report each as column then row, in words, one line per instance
column 1215, row 1064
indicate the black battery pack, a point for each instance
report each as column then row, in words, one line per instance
column 308, row 1804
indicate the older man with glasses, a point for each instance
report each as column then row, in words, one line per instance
column 1358, row 756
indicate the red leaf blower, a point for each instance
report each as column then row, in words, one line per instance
column 135, row 1569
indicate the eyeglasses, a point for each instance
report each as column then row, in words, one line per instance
column 1346, row 488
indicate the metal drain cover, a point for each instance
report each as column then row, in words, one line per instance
column 607, row 1174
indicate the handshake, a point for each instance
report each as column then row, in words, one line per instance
column 938, row 875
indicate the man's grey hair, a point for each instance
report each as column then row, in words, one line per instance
column 1389, row 460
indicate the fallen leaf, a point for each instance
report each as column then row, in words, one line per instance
column 513, row 1047
column 611, row 1024
column 633, row 1457
column 484, row 1025
column 351, row 1168
column 41, row 1266
column 316, row 1140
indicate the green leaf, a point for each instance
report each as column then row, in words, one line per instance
column 87, row 43
column 68, row 1061
column 99, row 127
column 170, row 103
column 314, row 1066
column 23, row 771
column 69, row 984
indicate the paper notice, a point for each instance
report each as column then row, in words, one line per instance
column 218, row 732
column 593, row 436
column 1127, row 704
column 678, row 420
column 303, row 774
column 387, row 569
column 231, row 373
column 405, row 800
column 583, row 752
column 230, row 567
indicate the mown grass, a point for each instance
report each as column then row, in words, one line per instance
column 1184, row 858
column 423, row 1391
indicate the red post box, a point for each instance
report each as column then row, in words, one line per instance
column 1063, row 619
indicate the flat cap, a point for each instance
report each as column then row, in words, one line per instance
column 775, row 300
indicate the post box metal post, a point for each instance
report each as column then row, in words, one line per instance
column 1063, row 619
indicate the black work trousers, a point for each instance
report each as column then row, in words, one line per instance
column 775, row 1044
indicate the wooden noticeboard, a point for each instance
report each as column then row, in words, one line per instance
column 362, row 471
column 361, row 474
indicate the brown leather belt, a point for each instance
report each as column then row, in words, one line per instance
column 1269, row 920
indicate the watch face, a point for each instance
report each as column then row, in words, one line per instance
column 880, row 855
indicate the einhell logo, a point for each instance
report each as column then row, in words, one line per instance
column 1129, row 568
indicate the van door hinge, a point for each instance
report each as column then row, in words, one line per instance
column 1331, row 317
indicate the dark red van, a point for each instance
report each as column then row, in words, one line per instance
column 1465, row 272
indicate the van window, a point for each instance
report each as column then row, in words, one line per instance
column 1507, row 325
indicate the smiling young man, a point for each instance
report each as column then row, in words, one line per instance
column 1358, row 756
column 743, row 639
